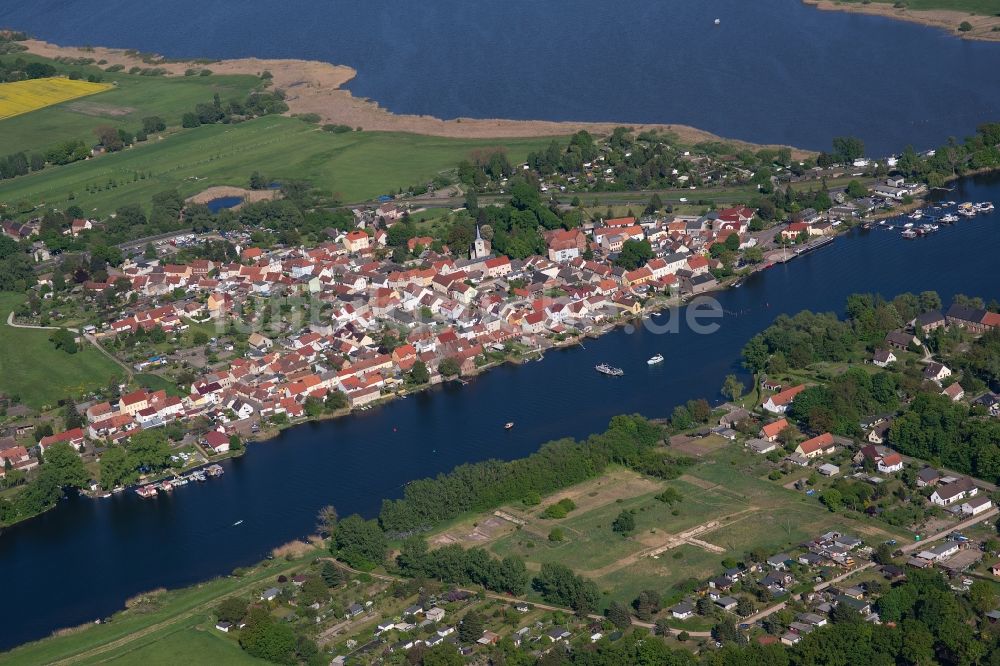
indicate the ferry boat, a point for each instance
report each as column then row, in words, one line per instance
column 611, row 371
column 655, row 359
column 146, row 492
column 508, row 425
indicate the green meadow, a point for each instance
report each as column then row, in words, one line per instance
column 355, row 166
column 32, row 368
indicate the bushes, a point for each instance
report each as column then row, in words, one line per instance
column 559, row 510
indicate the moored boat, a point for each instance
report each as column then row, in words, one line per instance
column 658, row 358
column 146, row 492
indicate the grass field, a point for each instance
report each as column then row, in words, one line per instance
column 32, row 368
column 125, row 103
column 357, row 165
column 178, row 630
column 727, row 504
column 22, row 97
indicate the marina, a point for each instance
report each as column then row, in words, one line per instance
column 150, row 490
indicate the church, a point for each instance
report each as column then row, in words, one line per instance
column 480, row 248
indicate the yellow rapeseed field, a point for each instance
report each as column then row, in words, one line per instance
column 24, row 96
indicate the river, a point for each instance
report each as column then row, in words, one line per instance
column 81, row 560
column 774, row 71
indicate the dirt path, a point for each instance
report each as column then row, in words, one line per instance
column 674, row 541
column 317, row 87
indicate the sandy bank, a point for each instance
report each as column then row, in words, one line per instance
column 946, row 19
column 317, row 87
column 223, row 191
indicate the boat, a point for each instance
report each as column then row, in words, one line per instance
column 984, row 206
column 967, row 209
column 908, row 225
column 917, row 214
column 611, row 371
column 166, row 486
column 718, row 21
column 950, row 218
column 910, row 233
column 656, row 359
column 238, row 522
column 214, row 470
column 508, row 425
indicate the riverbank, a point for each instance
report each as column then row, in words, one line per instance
column 314, row 87
column 984, row 28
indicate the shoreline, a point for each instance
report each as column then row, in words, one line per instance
column 942, row 19
column 314, row 87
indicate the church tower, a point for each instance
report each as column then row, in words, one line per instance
column 480, row 248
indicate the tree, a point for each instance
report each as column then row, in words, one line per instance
column 848, row 148
column 619, row 615
column 732, row 388
column 231, row 609
column 856, row 190
column 64, row 340
column 982, row 596
column 647, row 604
column 964, row 26
column 624, row 523
column 470, row 629
column 634, row 253
column 359, row 542
column 443, row 654
column 66, row 466
column 744, row 607
column 331, row 574
column 115, row 469
column 449, row 367
column 419, row 374
column 265, row 639
column 335, row 400
column 326, row 520
column 149, row 450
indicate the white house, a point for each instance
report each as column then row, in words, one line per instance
column 976, row 506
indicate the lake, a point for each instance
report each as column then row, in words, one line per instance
column 771, row 72
column 83, row 559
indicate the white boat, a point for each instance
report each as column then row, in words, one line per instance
column 984, row 206
column 718, row 21
column 917, row 214
column 508, row 425
column 950, row 218
column 908, row 225
column 238, row 522
column 656, row 359
column 611, row 371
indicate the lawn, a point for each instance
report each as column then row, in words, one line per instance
column 355, row 165
column 33, row 369
column 130, row 99
column 22, row 97
column 194, row 641
column 727, row 497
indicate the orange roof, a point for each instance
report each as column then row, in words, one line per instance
column 772, row 429
column 817, row 443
